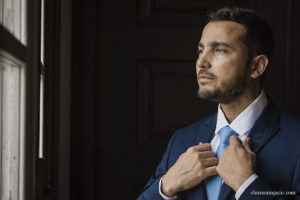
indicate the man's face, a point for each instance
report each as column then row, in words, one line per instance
column 222, row 64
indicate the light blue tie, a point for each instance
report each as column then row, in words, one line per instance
column 214, row 183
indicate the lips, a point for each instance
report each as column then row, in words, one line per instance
column 205, row 77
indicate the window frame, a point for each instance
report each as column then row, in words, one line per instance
column 30, row 56
column 49, row 177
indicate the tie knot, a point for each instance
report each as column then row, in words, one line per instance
column 225, row 134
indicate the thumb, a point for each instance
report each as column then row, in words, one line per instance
column 246, row 144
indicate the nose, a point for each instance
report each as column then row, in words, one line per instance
column 203, row 61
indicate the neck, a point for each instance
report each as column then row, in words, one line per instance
column 240, row 103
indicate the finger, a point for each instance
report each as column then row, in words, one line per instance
column 247, row 141
column 235, row 141
column 210, row 171
column 209, row 162
column 207, row 154
column 203, row 147
column 246, row 144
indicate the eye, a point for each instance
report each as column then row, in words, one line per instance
column 200, row 51
column 221, row 50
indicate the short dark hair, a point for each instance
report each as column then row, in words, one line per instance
column 258, row 37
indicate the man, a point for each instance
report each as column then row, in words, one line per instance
column 249, row 149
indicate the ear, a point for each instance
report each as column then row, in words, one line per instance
column 259, row 65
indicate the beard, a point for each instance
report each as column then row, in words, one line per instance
column 226, row 91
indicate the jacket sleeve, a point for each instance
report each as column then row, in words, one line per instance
column 260, row 190
column 151, row 190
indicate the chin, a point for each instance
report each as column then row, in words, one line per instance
column 216, row 96
column 207, row 95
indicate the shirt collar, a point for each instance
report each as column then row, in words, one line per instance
column 246, row 119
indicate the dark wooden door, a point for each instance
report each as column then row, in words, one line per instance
column 135, row 84
column 147, row 84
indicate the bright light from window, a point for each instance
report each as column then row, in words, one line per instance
column 13, row 18
column 12, row 87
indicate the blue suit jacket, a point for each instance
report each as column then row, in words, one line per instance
column 275, row 140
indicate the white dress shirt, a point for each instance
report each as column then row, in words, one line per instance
column 242, row 125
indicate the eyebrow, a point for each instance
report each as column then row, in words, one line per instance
column 215, row 44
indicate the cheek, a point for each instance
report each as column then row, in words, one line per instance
column 228, row 68
column 197, row 66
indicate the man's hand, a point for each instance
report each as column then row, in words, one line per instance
column 237, row 163
column 192, row 167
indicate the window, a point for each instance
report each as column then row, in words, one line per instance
column 11, row 126
column 12, row 99
column 17, row 90
column 13, row 18
column 34, row 150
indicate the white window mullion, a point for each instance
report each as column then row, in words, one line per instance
column 1, row 127
column 42, row 83
column 41, row 131
column 22, row 135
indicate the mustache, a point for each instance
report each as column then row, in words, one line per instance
column 203, row 71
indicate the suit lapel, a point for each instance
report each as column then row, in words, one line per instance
column 205, row 135
column 206, row 132
column 264, row 128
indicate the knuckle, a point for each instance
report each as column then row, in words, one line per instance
column 199, row 155
column 220, row 161
column 226, row 151
column 200, row 164
column 206, row 145
column 215, row 160
column 200, row 173
column 181, row 155
column 235, row 149
column 191, row 149
column 210, row 154
column 218, row 169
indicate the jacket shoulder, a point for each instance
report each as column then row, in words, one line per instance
column 290, row 118
column 290, row 123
